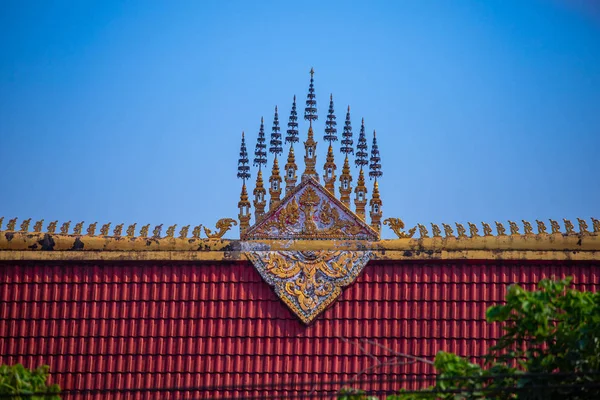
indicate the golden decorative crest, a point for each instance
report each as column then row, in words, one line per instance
column 309, row 281
column 25, row 225
column 78, row 228
column 541, row 227
column 64, row 229
column 144, row 231
column 91, row 230
column 38, row 226
column 448, row 231
column 500, row 229
column 527, row 227
column 473, row 231
column 397, row 225
column 12, row 223
column 487, row 229
column 104, row 229
column 131, row 230
column 223, row 225
column 462, row 233
column 118, row 230
column 309, row 211
column 196, row 232
column 436, row 230
column 184, row 232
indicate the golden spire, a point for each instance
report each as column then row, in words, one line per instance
column 360, row 202
column 275, row 190
column 329, row 176
column 259, row 196
column 310, row 157
column 346, row 183
column 290, row 171
column 375, row 204
column 244, row 206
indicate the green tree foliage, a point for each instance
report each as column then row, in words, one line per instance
column 550, row 350
column 18, row 380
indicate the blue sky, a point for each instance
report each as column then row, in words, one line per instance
column 132, row 111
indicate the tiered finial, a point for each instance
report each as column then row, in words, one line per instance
column 310, row 112
column 361, row 148
column 243, row 173
column 275, row 136
column 276, row 149
column 375, row 166
column 360, row 201
column 347, row 141
column 330, row 136
column 330, row 124
column 292, row 131
column 260, row 153
column 346, row 177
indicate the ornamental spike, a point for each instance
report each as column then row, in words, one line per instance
column 310, row 112
column 375, row 165
column 243, row 167
column 292, row 131
column 347, row 141
column 361, row 148
column 260, row 152
column 276, row 136
column 330, row 124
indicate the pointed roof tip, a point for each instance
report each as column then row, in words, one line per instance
column 363, row 121
column 294, row 98
column 275, row 108
column 331, row 96
column 348, row 107
column 262, row 120
column 374, row 134
column 242, row 134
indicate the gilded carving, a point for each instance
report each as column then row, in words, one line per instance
column 500, row 229
column 118, row 230
column 91, row 230
column 555, row 227
column 64, row 229
column 196, row 232
column 541, row 227
column 436, row 230
column 514, row 228
column 448, row 231
column 569, row 228
column 25, row 225
column 184, row 232
column 223, row 225
column 527, row 227
column 78, row 228
column 583, row 226
column 38, row 226
column 12, row 223
column 461, row 230
column 52, row 227
column 171, row 231
column 596, row 225
column 487, row 229
column 397, row 225
column 131, row 230
column 423, row 233
column 473, row 231
column 309, row 281
column 104, row 229
column 144, row 231
column 156, row 231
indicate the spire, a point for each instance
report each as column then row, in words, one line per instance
column 260, row 153
column 244, row 173
column 290, row 171
column 292, row 132
column 375, row 160
column 243, row 167
column 275, row 136
column 259, row 197
column 360, row 201
column 347, row 141
column 346, row 183
column 375, row 204
column 310, row 112
column 330, row 124
column 361, row 148
column 329, row 176
column 310, row 157
column 275, row 190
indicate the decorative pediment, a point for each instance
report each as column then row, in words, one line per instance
column 309, row 281
column 311, row 212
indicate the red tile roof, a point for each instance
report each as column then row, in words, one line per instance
column 134, row 325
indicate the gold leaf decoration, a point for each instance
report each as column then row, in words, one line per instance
column 12, row 223
column 436, row 230
column 423, row 233
column 514, row 228
column 91, row 230
column 569, row 228
column 78, row 228
column 500, row 229
column 64, row 229
column 25, row 225
column 487, row 229
column 397, row 225
column 473, row 231
column 37, row 227
column 131, row 230
column 223, row 225
column 541, row 227
column 448, row 231
column 527, row 227
column 596, row 225
column 462, row 233
column 171, row 231
column 583, row 226
column 52, row 227
column 118, row 230
column 144, row 231
column 196, row 231
column 104, row 229
column 156, row 231
column 555, row 227
column 184, row 232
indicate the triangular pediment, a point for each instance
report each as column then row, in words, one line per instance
column 310, row 211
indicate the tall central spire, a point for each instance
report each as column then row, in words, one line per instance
column 310, row 146
column 310, row 112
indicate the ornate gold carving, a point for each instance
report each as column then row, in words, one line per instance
column 223, row 225
column 397, row 225
column 131, row 230
column 423, row 233
column 118, row 230
column 436, row 230
column 78, row 228
column 555, row 227
column 196, row 232
column 144, row 231
column 64, row 229
column 461, row 230
column 52, row 227
column 514, row 228
column 308, row 282
column 91, row 230
column 596, row 224
column 12, row 223
column 25, row 225
column 541, row 227
column 569, row 228
column 487, row 229
column 500, row 229
column 527, row 227
column 156, row 231
column 38, row 226
column 184, row 232
column 473, row 231
column 448, row 231
column 583, row 226
column 171, row 231
column 104, row 229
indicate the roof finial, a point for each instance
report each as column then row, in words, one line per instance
column 347, row 141
column 260, row 152
column 243, row 167
column 361, row 148
column 375, row 160
column 330, row 124
column 310, row 112
column 275, row 136
column 292, row 132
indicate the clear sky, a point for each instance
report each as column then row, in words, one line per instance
column 132, row 111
